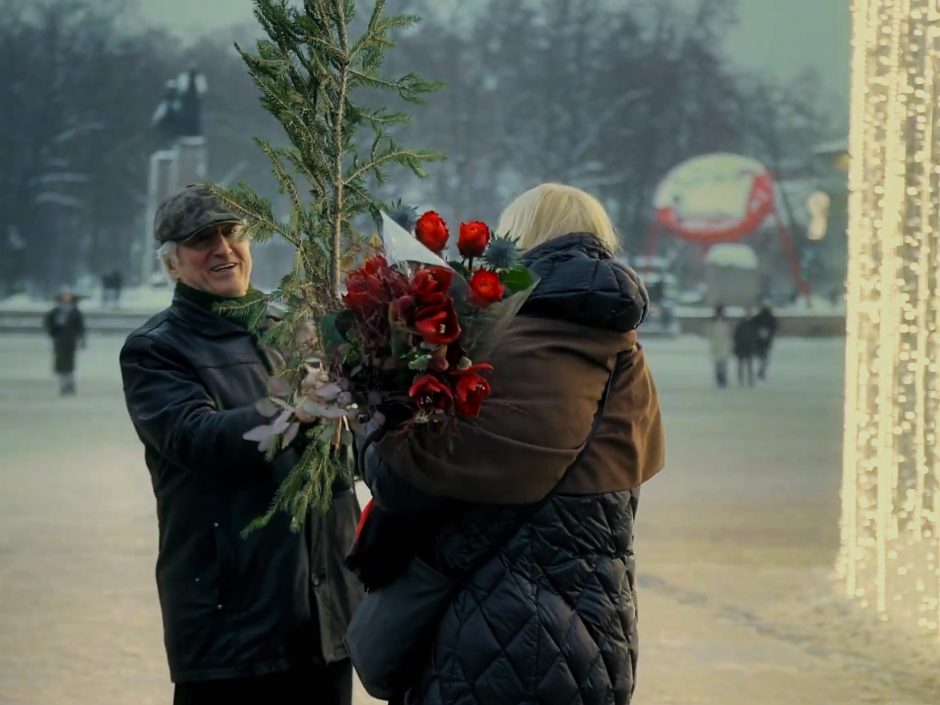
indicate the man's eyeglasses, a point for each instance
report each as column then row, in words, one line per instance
column 207, row 237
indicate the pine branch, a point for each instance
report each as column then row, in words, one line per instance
column 339, row 136
column 307, row 69
column 406, row 157
column 256, row 210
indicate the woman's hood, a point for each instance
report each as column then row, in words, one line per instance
column 580, row 281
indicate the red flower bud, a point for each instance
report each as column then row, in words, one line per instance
column 474, row 237
column 486, row 288
column 366, row 290
column 431, row 231
column 429, row 285
column 402, row 308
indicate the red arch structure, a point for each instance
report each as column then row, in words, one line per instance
column 720, row 197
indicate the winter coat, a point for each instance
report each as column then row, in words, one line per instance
column 720, row 339
column 66, row 326
column 745, row 338
column 232, row 607
column 546, row 610
column 765, row 324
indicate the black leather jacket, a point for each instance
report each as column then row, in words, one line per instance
column 232, row 607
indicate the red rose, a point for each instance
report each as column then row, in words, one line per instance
column 438, row 325
column 366, row 290
column 430, row 394
column 431, row 231
column 429, row 285
column 471, row 389
column 486, row 287
column 474, row 237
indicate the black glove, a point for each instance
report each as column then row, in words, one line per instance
column 384, row 546
column 394, row 414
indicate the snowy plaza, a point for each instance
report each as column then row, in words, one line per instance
column 736, row 542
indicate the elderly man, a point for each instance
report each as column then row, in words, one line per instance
column 245, row 620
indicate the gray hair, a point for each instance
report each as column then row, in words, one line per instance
column 168, row 254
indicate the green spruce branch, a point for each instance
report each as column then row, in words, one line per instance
column 309, row 71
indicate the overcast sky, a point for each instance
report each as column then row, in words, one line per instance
column 780, row 36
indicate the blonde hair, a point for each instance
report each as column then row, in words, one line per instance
column 550, row 210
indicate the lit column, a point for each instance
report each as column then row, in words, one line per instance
column 891, row 474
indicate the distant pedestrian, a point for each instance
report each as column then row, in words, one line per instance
column 111, row 285
column 105, row 289
column 720, row 344
column 117, row 284
column 765, row 324
column 745, row 348
column 66, row 326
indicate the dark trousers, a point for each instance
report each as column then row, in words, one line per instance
column 746, row 370
column 316, row 685
column 721, row 373
column 763, row 359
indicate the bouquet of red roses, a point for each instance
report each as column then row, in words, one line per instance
column 413, row 336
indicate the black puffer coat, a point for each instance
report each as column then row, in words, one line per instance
column 550, row 617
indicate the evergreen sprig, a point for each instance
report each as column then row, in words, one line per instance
column 308, row 69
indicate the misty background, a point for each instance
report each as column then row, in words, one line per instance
column 604, row 95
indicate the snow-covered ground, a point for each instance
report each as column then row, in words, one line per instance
column 735, row 542
column 140, row 299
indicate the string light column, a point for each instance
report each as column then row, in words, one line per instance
column 891, row 471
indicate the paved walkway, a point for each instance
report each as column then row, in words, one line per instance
column 735, row 542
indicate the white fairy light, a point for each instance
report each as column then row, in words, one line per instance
column 891, row 467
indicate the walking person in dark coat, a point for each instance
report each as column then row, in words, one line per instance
column 765, row 324
column 66, row 326
column 745, row 348
column 546, row 610
column 246, row 620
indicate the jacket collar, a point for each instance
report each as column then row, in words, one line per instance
column 581, row 282
column 201, row 319
column 584, row 243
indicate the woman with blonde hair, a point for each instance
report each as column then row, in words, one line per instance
column 530, row 507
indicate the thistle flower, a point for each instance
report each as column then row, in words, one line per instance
column 406, row 216
column 502, row 252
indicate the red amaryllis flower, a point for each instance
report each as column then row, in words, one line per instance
column 366, row 290
column 429, row 393
column 471, row 389
column 438, row 325
column 431, row 231
column 429, row 285
column 486, row 287
column 474, row 237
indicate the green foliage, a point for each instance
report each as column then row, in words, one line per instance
column 308, row 70
column 309, row 483
column 518, row 279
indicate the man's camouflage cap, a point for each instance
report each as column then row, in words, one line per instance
column 184, row 214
